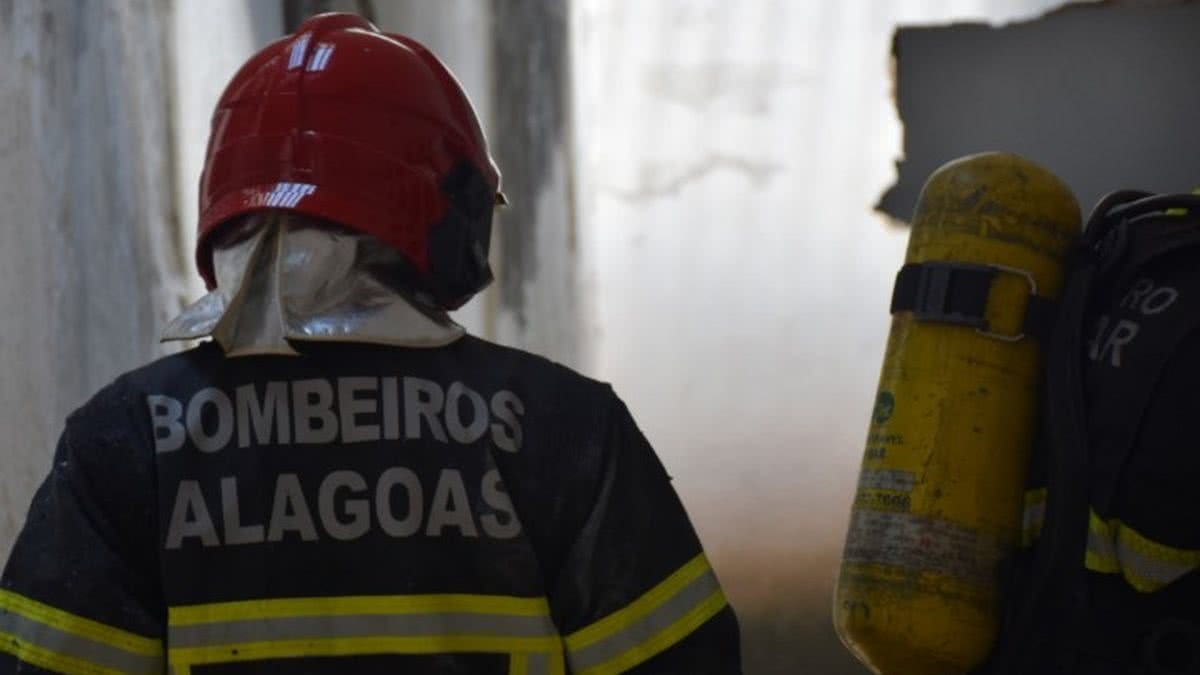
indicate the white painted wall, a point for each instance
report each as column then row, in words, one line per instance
column 89, row 263
column 730, row 154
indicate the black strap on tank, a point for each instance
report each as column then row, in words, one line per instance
column 957, row 293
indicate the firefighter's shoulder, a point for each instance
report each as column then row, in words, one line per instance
column 560, row 387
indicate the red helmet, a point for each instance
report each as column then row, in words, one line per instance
column 365, row 129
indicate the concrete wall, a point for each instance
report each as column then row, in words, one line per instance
column 539, row 301
column 90, row 265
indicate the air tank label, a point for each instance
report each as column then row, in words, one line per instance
column 882, row 440
column 886, row 479
column 885, row 490
column 920, row 544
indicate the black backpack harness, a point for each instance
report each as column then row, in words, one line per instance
column 1052, row 623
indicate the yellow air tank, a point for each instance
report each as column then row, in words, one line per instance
column 939, row 503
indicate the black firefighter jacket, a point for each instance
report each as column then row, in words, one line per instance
column 359, row 509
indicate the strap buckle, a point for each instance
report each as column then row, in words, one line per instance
column 956, row 293
column 1025, row 274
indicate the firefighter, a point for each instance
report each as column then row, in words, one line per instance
column 1109, row 578
column 340, row 480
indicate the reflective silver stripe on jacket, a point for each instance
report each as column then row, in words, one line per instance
column 1115, row 548
column 265, row 629
column 364, row 625
column 52, row 639
column 1034, row 516
column 659, row 618
column 532, row 664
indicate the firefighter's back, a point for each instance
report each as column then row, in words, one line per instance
column 364, row 499
column 359, row 509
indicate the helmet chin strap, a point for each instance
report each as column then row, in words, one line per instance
column 296, row 279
